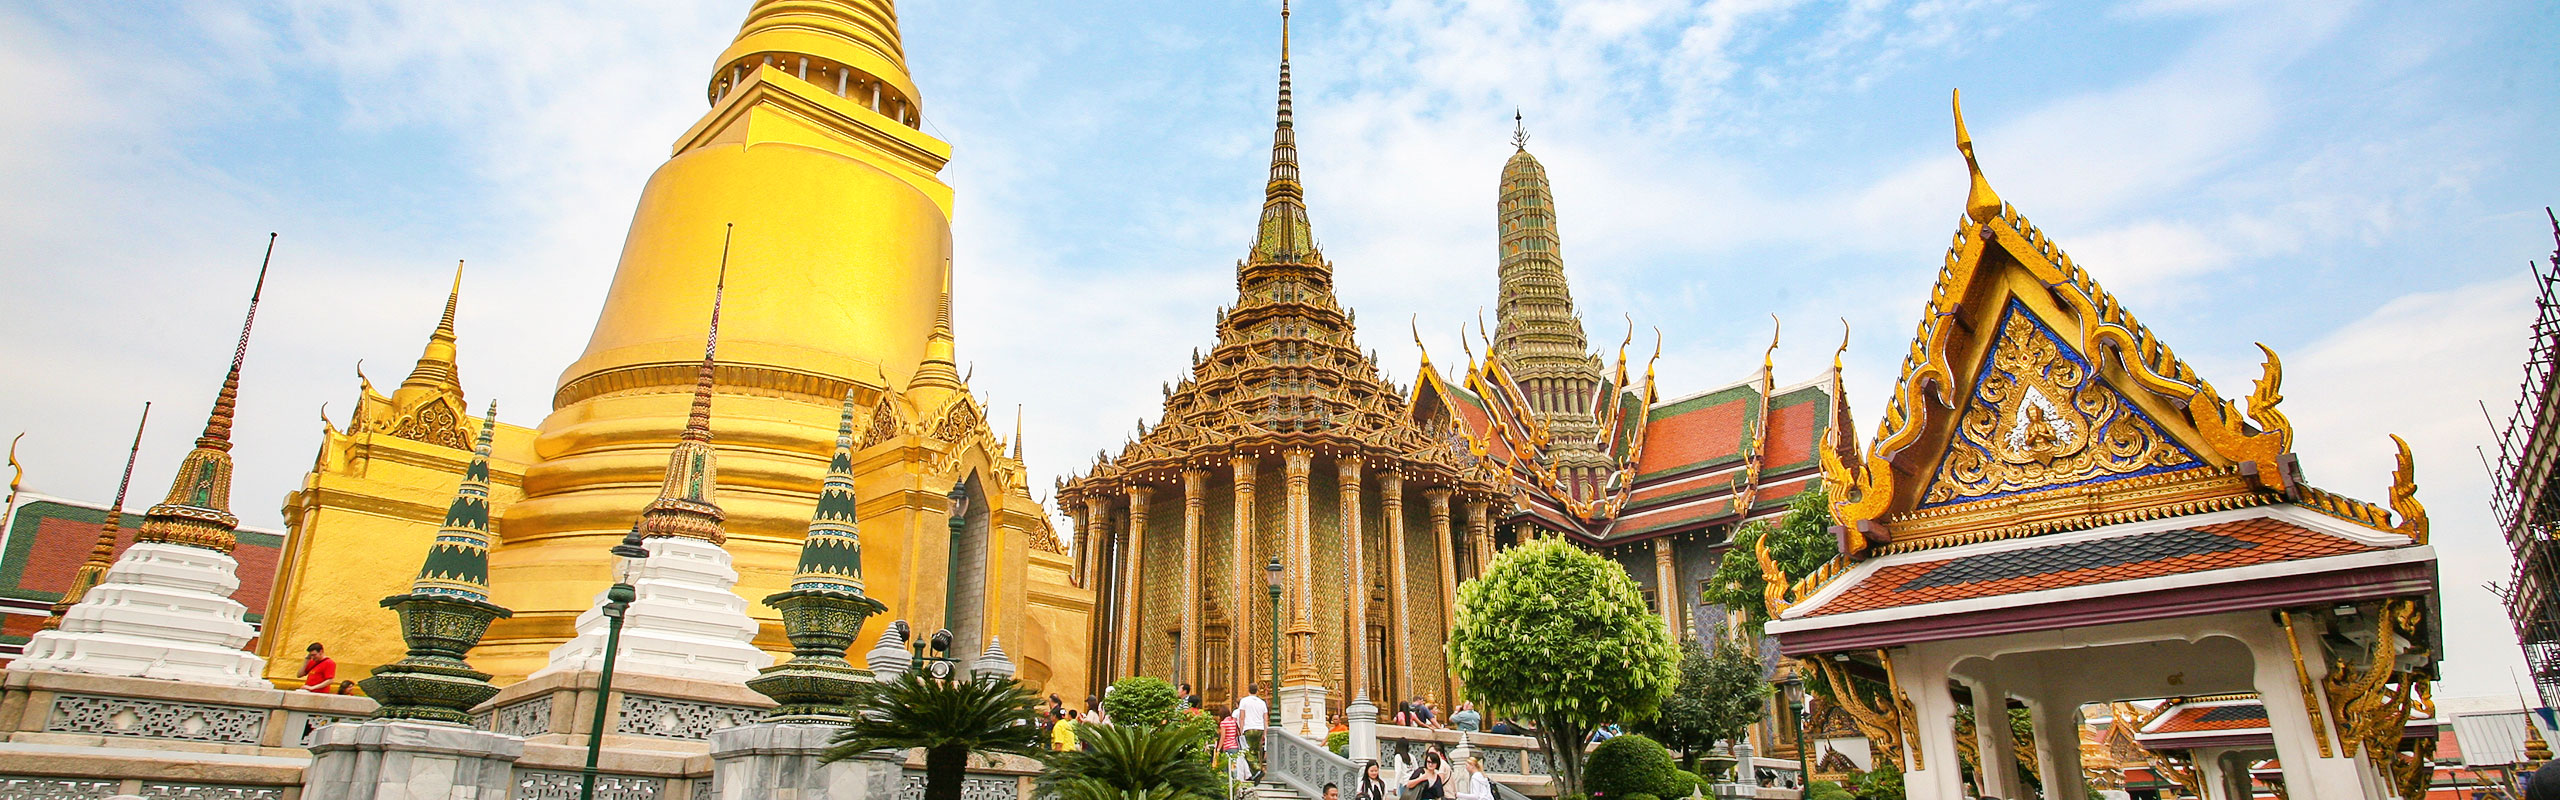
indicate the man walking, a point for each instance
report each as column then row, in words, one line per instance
column 1253, row 716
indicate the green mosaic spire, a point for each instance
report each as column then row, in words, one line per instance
column 831, row 556
column 457, row 562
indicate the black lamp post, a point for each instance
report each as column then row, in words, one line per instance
column 940, row 665
column 1273, row 570
column 617, row 599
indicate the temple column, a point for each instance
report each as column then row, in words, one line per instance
column 1240, row 639
column 1391, row 500
column 1356, row 602
column 1995, row 743
column 1128, row 627
column 1100, row 575
column 1438, row 496
column 1479, row 535
column 2057, row 727
column 1195, row 487
column 1664, row 578
column 1302, row 692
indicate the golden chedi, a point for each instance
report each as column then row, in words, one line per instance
column 838, row 284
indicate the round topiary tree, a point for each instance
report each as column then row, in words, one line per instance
column 1632, row 764
column 1141, row 701
column 1554, row 633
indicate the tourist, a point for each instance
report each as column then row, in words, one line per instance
column 1063, row 737
column 1473, row 784
column 1093, row 711
column 1190, row 699
column 1371, row 786
column 1332, row 792
column 1466, row 718
column 1606, row 733
column 319, row 672
column 1424, row 782
column 1253, row 716
column 1230, row 735
column 1430, row 718
column 1333, row 724
column 1504, row 727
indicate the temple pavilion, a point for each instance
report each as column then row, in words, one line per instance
column 2057, row 511
column 1285, row 442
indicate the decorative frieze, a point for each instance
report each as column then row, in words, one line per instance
column 974, row 787
column 528, row 718
column 198, row 791
column 15, row 788
column 538, row 784
column 157, row 719
column 677, row 719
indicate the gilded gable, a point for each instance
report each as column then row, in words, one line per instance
column 2039, row 416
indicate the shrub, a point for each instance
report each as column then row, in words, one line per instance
column 1639, row 796
column 1339, row 742
column 1683, row 784
column 1632, row 764
column 1883, row 783
column 1143, row 701
column 1826, row 790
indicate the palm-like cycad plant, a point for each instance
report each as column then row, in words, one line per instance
column 950, row 718
column 1133, row 760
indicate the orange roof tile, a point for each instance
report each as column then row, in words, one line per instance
column 1697, row 437
column 2226, row 545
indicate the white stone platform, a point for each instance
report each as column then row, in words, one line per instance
column 687, row 621
column 164, row 611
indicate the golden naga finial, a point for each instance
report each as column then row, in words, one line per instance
column 1769, row 358
column 17, row 472
column 2404, row 495
column 1773, row 581
column 2218, row 421
column 1843, row 352
column 1981, row 204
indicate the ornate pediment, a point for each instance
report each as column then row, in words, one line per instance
column 2039, row 416
column 2026, row 377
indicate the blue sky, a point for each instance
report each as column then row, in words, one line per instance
column 2357, row 185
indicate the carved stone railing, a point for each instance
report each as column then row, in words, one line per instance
column 678, row 719
column 1307, row 766
column 544, row 784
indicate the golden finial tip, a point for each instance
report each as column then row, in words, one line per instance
column 1980, row 203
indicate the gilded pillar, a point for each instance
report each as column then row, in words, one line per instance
column 1195, row 485
column 1666, row 588
column 1100, row 576
column 1240, row 638
column 1356, row 602
column 1479, row 535
column 1302, row 629
column 1438, row 496
column 1127, row 636
column 1083, row 546
column 1391, row 501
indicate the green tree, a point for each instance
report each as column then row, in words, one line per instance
column 1144, row 701
column 950, row 718
column 1134, row 759
column 1556, row 634
column 1799, row 543
column 1719, row 696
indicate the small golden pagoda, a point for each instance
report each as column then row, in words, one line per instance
column 1283, row 442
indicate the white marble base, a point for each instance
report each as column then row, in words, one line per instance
column 686, row 622
column 1302, row 710
column 164, row 611
column 401, row 760
column 780, row 760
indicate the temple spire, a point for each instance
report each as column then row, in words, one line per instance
column 686, row 506
column 1284, row 234
column 831, row 554
column 437, row 370
column 197, row 510
column 457, row 563
column 103, row 554
column 1519, row 132
column 941, row 367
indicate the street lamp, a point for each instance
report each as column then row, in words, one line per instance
column 1273, row 571
column 939, row 665
column 617, row 599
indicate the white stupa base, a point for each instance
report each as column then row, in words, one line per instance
column 1302, row 710
column 687, row 621
column 163, row 611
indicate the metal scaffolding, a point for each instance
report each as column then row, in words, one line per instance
column 2525, row 487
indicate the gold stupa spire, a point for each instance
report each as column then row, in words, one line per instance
column 687, row 506
column 103, row 554
column 197, row 511
column 941, row 367
column 1980, row 203
column 1284, row 234
column 437, row 370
